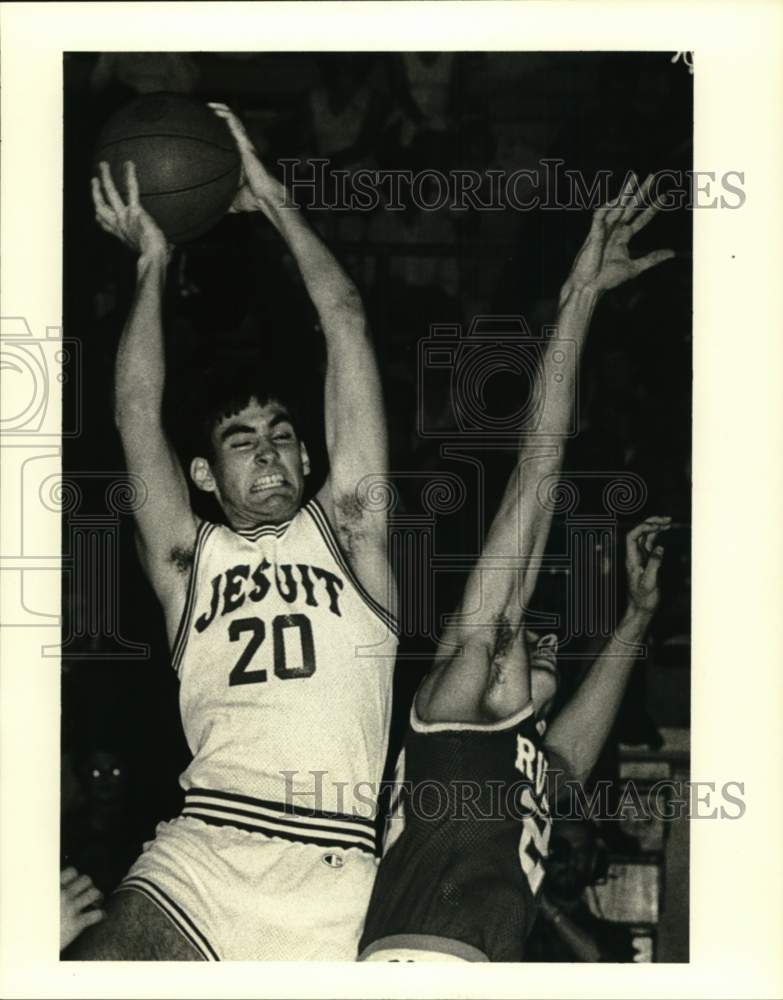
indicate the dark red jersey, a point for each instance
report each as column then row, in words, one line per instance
column 463, row 874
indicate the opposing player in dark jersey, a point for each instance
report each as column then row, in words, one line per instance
column 264, row 615
column 460, row 881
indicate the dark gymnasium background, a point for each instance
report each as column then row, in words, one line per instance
column 234, row 298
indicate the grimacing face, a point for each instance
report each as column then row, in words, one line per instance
column 259, row 467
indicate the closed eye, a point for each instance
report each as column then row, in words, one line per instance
column 241, row 444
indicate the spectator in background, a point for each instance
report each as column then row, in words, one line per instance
column 100, row 837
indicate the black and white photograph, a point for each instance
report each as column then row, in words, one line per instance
column 373, row 475
column 387, row 380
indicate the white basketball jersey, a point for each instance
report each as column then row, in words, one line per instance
column 285, row 665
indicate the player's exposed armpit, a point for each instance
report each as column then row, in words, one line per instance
column 182, row 558
column 503, row 637
column 349, row 517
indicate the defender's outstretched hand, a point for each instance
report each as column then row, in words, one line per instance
column 257, row 186
column 604, row 261
column 129, row 222
column 77, row 893
column 642, row 561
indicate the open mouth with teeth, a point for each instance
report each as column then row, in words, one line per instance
column 269, row 482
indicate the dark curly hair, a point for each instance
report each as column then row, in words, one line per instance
column 226, row 392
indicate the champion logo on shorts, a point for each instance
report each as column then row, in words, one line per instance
column 333, row 860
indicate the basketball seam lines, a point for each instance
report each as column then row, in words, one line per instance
column 191, row 187
column 166, row 135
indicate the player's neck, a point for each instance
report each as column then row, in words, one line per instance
column 242, row 522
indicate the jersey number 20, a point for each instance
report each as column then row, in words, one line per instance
column 256, row 629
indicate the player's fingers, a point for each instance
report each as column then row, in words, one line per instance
column 617, row 206
column 88, row 897
column 632, row 198
column 67, row 875
column 637, row 202
column 222, row 110
column 78, row 886
column 112, row 194
column 633, row 555
column 643, row 218
column 88, row 918
column 644, row 187
column 656, row 257
column 598, row 221
column 638, row 530
column 100, row 203
column 650, row 574
column 235, row 126
column 653, row 523
column 647, row 533
column 132, row 183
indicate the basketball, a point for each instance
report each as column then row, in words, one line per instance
column 186, row 160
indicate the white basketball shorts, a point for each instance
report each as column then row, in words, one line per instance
column 241, row 895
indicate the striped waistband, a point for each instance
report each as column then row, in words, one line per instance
column 278, row 819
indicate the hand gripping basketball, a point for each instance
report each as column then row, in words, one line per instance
column 256, row 187
column 129, row 222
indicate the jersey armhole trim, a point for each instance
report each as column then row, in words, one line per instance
column 180, row 640
column 418, row 724
column 321, row 521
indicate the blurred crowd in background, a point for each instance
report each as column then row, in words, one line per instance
column 234, row 298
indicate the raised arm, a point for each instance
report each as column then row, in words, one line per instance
column 354, row 416
column 505, row 575
column 579, row 732
column 165, row 522
column 522, row 523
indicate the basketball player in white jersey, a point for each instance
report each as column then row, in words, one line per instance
column 464, row 863
column 281, row 625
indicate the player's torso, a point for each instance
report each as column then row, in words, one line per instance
column 285, row 667
column 464, row 856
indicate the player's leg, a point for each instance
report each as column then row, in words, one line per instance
column 135, row 929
